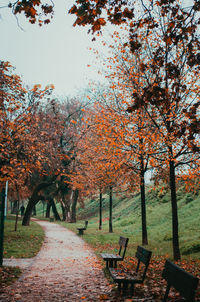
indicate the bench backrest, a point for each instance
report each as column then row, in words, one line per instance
column 86, row 224
column 123, row 242
column 184, row 282
column 143, row 255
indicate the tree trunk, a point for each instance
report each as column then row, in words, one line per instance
column 67, row 208
column 43, row 207
column 143, row 203
column 17, row 212
column 14, row 207
column 54, row 209
column 2, row 220
column 64, row 215
column 33, row 200
column 34, row 210
column 110, row 211
column 74, row 203
column 176, row 250
column 48, row 208
column 100, row 210
column 17, row 216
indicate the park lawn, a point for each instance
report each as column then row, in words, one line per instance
column 24, row 243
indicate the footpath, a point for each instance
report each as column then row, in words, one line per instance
column 65, row 270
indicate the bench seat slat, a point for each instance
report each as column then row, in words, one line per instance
column 111, row 257
column 120, row 275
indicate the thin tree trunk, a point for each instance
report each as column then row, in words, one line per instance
column 14, row 207
column 34, row 211
column 143, row 203
column 68, row 215
column 54, row 209
column 110, row 211
column 64, row 215
column 74, row 203
column 17, row 209
column 43, row 207
column 100, row 210
column 48, row 208
column 176, row 249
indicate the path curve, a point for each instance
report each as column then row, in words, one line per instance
column 65, row 270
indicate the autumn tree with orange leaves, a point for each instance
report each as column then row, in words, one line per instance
column 132, row 132
column 98, row 163
column 170, row 96
column 164, row 81
column 31, row 131
column 128, row 142
column 56, row 126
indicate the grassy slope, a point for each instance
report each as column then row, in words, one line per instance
column 127, row 222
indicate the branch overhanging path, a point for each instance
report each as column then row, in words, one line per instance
column 65, row 269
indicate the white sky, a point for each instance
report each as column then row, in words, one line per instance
column 56, row 53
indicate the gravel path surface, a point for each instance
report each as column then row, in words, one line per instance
column 65, row 270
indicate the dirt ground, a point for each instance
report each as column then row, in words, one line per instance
column 64, row 270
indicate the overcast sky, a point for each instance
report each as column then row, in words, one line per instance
column 56, row 53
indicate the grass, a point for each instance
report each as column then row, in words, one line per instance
column 25, row 243
column 127, row 223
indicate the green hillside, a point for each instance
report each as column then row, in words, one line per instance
column 127, row 222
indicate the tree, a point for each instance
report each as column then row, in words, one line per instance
column 12, row 95
column 99, row 162
column 170, row 96
column 123, row 135
column 87, row 13
column 34, row 10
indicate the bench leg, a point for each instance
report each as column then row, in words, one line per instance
column 119, row 287
column 109, row 263
column 125, row 287
column 132, row 289
column 166, row 293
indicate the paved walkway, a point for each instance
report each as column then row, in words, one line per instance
column 65, row 270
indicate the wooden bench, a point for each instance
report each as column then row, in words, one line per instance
column 185, row 283
column 126, row 280
column 111, row 259
column 82, row 229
